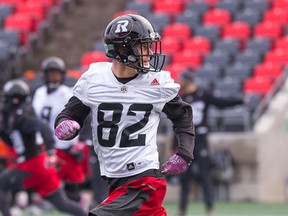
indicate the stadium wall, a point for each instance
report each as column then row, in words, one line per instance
column 272, row 155
column 261, row 156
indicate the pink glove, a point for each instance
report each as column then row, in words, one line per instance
column 174, row 166
column 67, row 129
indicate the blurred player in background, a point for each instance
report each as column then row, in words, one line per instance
column 48, row 101
column 200, row 100
column 126, row 98
column 23, row 131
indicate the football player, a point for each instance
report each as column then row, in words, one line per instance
column 200, row 100
column 48, row 101
column 23, row 131
column 126, row 97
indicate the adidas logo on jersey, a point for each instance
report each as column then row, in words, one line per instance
column 130, row 166
column 154, row 82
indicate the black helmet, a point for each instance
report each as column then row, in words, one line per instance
column 123, row 33
column 51, row 64
column 15, row 92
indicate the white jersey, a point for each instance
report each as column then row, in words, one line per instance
column 48, row 106
column 125, row 117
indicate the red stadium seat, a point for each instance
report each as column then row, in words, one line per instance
column 277, row 56
column 22, row 23
column 279, row 15
column 280, row 3
column 47, row 3
column 268, row 29
column 170, row 7
column 12, row 2
column 257, row 84
column 187, row 58
column 238, row 30
column 198, row 44
column 36, row 9
column 91, row 57
column 170, row 45
column 216, row 17
column 177, row 30
column 281, row 43
column 175, row 69
column 268, row 69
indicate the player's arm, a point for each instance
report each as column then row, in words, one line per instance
column 222, row 102
column 180, row 113
column 71, row 119
column 31, row 125
column 48, row 137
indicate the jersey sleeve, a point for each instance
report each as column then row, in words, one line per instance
column 80, row 88
column 180, row 113
column 170, row 88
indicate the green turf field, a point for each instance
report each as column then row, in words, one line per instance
column 233, row 209
column 223, row 208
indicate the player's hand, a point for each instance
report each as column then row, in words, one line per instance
column 174, row 166
column 67, row 129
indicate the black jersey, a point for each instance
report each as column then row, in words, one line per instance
column 23, row 131
column 200, row 101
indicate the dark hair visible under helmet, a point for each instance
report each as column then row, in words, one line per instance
column 123, row 33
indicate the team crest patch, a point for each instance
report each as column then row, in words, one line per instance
column 123, row 89
column 131, row 166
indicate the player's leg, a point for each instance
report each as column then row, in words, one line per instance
column 46, row 182
column 98, row 185
column 10, row 179
column 71, row 172
column 185, row 180
column 59, row 199
column 207, row 185
column 141, row 197
column 72, row 191
column 205, row 177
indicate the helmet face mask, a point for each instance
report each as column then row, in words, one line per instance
column 15, row 93
column 50, row 66
column 132, row 40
